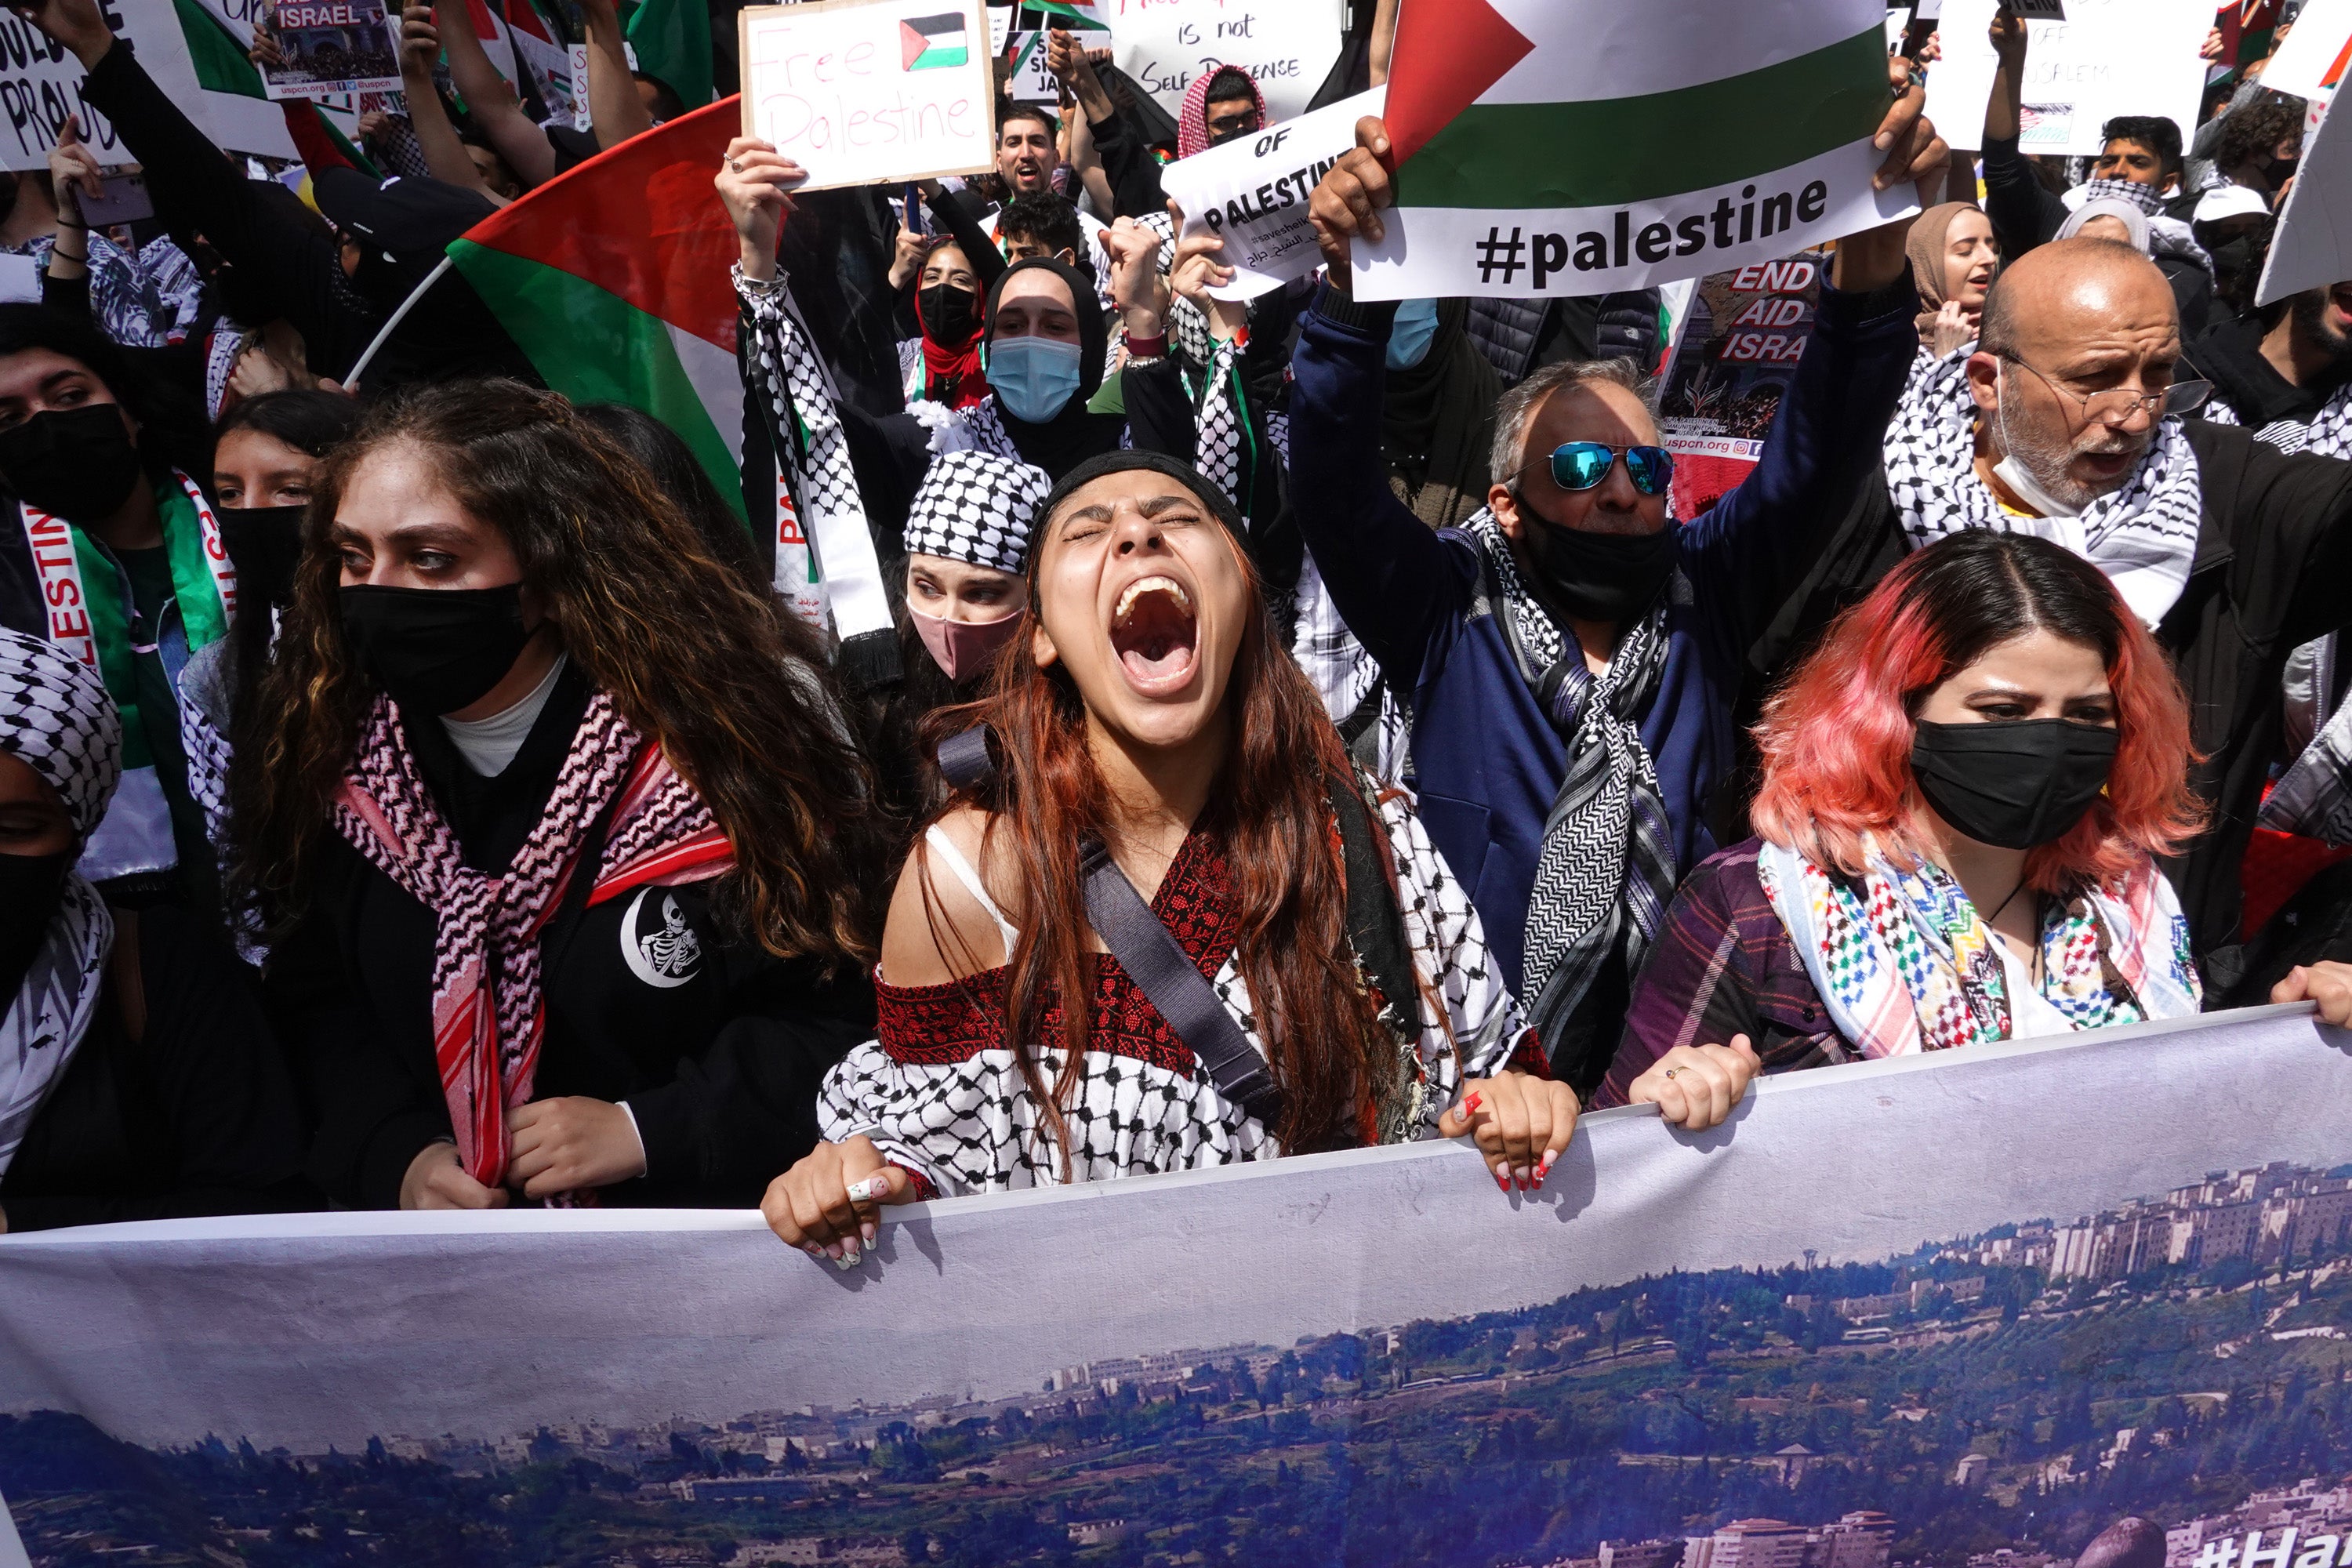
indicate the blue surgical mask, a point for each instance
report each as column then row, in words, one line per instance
column 1035, row 378
column 1409, row 340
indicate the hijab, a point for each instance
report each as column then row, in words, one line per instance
column 1437, row 423
column 1930, row 233
column 1071, row 437
column 2127, row 213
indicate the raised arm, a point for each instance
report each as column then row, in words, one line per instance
column 615, row 112
column 445, row 155
column 2023, row 213
column 489, row 99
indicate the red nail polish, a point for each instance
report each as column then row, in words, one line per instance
column 1472, row 1103
column 1502, row 1182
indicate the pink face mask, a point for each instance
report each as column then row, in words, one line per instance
column 962, row 648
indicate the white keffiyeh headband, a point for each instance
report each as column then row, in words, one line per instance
column 56, row 718
column 977, row 506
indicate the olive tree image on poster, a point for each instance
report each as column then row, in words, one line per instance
column 2080, row 1301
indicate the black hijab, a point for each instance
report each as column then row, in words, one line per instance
column 1075, row 434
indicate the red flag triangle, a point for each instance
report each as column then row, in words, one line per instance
column 1445, row 56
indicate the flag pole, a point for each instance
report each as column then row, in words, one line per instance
column 352, row 382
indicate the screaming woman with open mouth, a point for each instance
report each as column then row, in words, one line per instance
column 1159, row 718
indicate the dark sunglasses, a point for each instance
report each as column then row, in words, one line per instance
column 1582, row 465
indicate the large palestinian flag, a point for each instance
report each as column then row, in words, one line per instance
column 1574, row 147
column 613, row 278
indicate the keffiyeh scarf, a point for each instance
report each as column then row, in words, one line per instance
column 2142, row 535
column 1607, row 870
column 1903, row 965
column 978, row 507
column 489, row 1016
column 55, row 718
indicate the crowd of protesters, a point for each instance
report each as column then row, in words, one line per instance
column 1303, row 723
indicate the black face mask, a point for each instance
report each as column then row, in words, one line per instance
column 1599, row 577
column 950, row 315
column 31, row 888
column 436, row 650
column 74, row 463
column 2013, row 784
column 264, row 543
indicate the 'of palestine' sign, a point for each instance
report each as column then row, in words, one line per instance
column 1546, row 147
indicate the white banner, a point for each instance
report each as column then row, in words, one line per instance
column 1252, row 192
column 857, row 91
column 2006, row 1298
column 2107, row 57
column 1287, row 47
column 1436, row 252
column 2311, row 60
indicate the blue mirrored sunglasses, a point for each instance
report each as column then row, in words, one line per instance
column 1580, row 465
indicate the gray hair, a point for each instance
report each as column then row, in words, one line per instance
column 1517, row 406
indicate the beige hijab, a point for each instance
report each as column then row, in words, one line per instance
column 1929, row 234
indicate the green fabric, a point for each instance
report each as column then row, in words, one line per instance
column 672, row 39
column 1111, row 396
column 221, row 65
column 594, row 346
column 202, row 614
column 344, row 145
column 1520, row 156
column 109, row 628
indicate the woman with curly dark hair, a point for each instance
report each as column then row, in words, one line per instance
column 568, row 857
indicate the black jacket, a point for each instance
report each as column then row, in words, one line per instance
column 196, row 1116
column 719, row 1056
column 2273, row 556
column 2231, row 357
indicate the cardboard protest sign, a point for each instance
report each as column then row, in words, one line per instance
column 1736, row 351
column 40, row 84
column 2106, row 57
column 1545, row 147
column 2311, row 63
column 857, row 91
column 331, row 46
column 1287, row 47
column 1031, row 80
column 2312, row 246
column 1252, row 192
column 1920, row 1311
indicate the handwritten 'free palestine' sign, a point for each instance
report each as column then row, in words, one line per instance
column 857, row 91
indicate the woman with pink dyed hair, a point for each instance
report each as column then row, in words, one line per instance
column 1965, row 789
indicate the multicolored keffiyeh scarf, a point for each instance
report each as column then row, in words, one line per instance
column 1903, row 965
column 489, row 1018
column 2142, row 535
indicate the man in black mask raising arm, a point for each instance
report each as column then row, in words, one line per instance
column 1573, row 658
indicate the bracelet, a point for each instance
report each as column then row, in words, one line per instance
column 83, row 227
column 1152, row 347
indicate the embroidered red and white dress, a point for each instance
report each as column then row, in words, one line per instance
column 940, row 1094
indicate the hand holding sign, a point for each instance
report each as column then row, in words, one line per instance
column 75, row 25
column 860, row 92
column 752, row 182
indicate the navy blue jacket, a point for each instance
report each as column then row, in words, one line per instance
column 1486, row 761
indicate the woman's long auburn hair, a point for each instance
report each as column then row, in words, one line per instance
column 695, row 659
column 1270, row 807
column 1836, row 738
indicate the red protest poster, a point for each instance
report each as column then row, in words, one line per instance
column 1732, row 359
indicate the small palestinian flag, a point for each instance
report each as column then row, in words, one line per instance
column 929, row 43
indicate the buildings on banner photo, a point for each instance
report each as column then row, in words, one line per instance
column 1988, row 1401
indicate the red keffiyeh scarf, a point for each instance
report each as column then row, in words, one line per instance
column 489, row 1018
column 952, row 372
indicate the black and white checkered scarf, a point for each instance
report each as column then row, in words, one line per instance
column 978, row 507
column 56, row 718
column 2142, row 535
column 1607, row 869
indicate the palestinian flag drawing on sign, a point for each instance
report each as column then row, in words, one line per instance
column 613, row 278
column 929, row 43
column 1579, row 146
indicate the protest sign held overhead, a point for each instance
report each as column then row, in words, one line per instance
column 1736, row 351
column 862, row 90
column 1285, row 46
column 190, row 56
column 2310, row 63
column 1253, row 191
column 2106, row 57
column 327, row 46
column 1547, row 147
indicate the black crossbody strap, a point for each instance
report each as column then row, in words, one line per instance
column 1156, row 962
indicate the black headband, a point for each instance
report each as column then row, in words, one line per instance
column 1127, row 460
